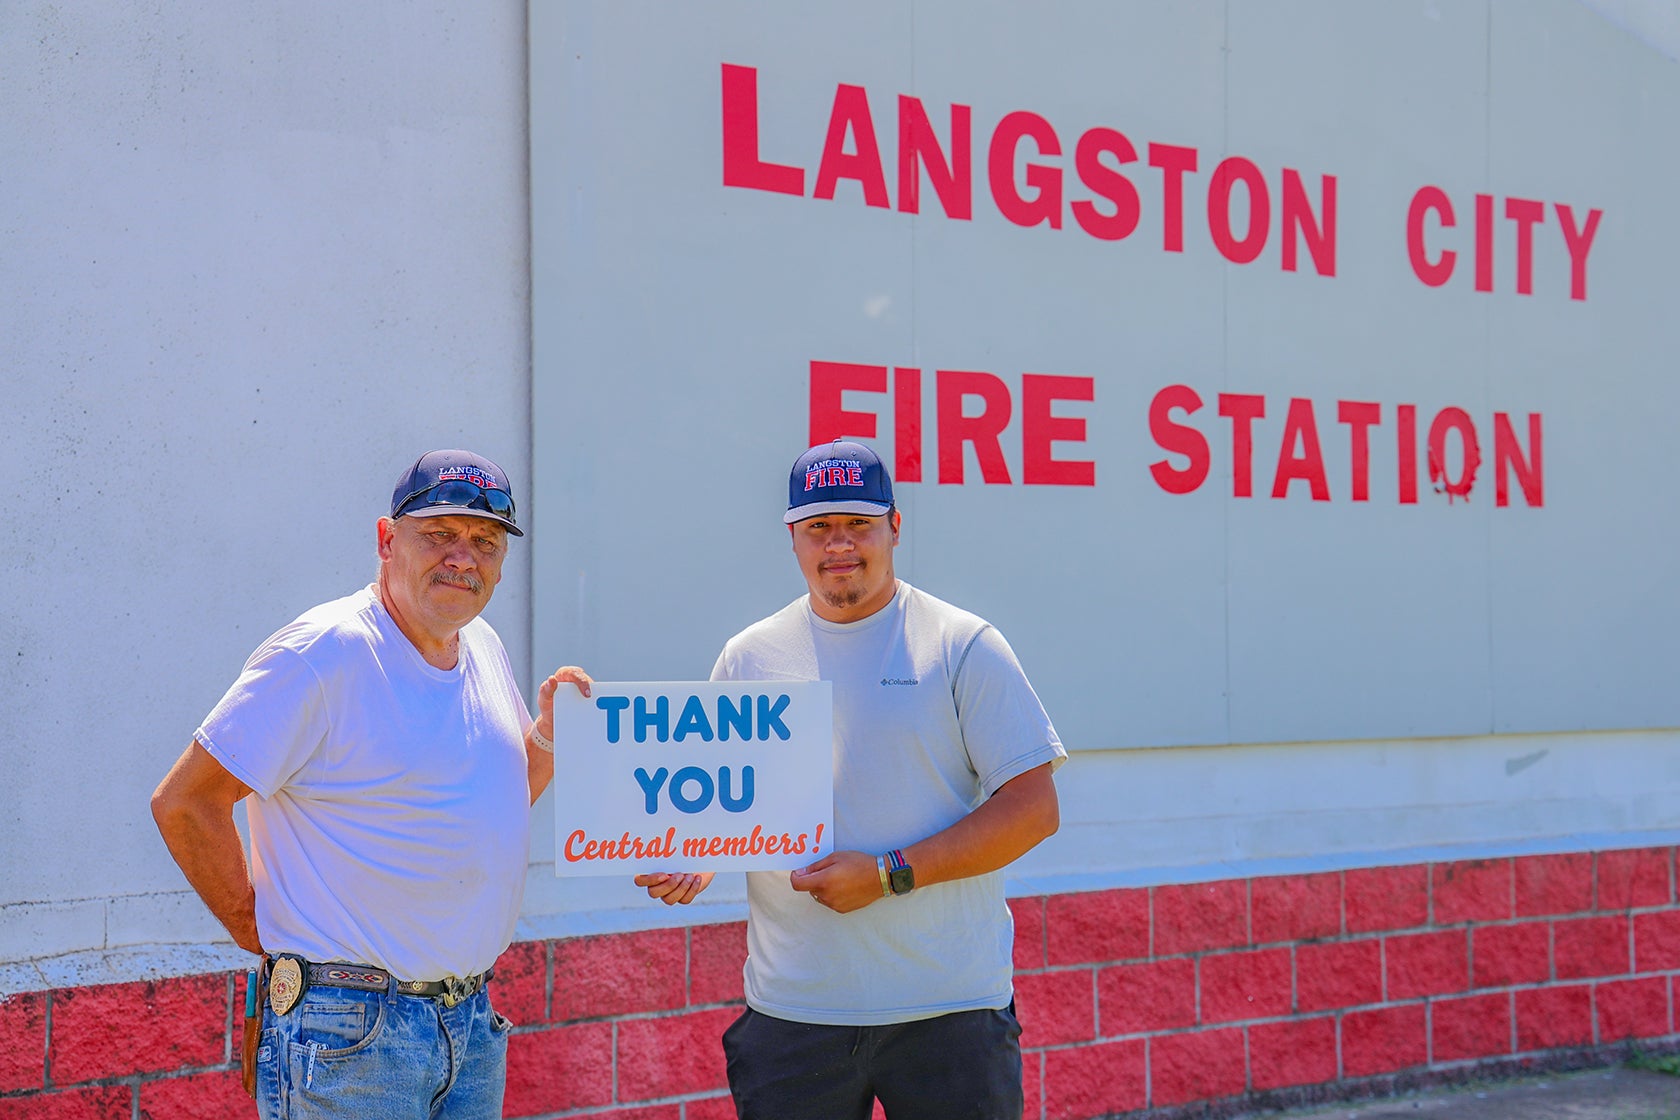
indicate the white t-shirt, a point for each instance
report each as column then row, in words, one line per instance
column 932, row 714
column 391, row 818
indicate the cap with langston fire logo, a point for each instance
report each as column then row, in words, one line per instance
column 838, row 477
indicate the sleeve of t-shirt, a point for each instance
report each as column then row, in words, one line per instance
column 720, row 669
column 1005, row 729
column 269, row 723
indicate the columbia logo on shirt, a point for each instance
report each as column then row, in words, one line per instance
column 900, row 680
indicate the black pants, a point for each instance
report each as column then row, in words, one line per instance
column 963, row 1065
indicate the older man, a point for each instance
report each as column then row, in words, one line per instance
column 393, row 763
column 883, row 971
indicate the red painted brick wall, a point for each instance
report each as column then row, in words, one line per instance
column 1129, row 999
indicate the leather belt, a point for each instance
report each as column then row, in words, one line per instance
column 366, row 978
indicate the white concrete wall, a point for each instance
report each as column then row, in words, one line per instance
column 253, row 259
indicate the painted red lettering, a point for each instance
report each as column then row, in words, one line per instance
column 1300, row 221
column 1579, row 243
column 1178, row 439
column 1242, row 409
column 1470, row 459
column 1507, row 453
column 1231, row 171
column 741, row 165
column 851, row 115
column 1108, row 183
column 1046, row 204
column 951, row 388
column 1405, row 446
column 1525, row 212
column 1359, row 416
column 907, row 424
column 1484, row 243
column 1439, row 271
column 953, row 179
column 1300, row 427
column 1039, row 429
column 1173, row 161
column 829, row 382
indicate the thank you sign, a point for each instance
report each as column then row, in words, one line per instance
column 682, row 776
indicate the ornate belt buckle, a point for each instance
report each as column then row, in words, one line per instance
column 454, row 991
column 286, row 983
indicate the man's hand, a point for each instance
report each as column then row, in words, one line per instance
column 841, row 881
column 539, row 764
column 566, row 674
column 675, row 890
column 193, row 807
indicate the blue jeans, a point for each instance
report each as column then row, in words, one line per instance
column 342, row 1054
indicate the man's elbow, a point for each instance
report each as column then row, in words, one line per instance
column 168, row 809
column 1047, row 818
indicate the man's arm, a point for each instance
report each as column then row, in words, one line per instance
column 1005, row 827
column 539, row 764
column 193, row 808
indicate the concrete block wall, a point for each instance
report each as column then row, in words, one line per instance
column 1132, row 1001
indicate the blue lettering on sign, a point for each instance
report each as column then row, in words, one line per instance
column 769, row 716
column 730, row 716
column 650, row 784
column 693, row 721
column 704, row 791
column 733, row 716
column 612, row 705
column 659, row 719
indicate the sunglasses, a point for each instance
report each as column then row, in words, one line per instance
column 459, row 493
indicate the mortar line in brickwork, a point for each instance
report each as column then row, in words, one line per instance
column 548, row 979
column 46, row 1040
column 1248, row 911
column 1149, row 1067
column 1341, row 904
column 1341, row 1070
column 228, row 1024
column 1096, row 1005
column 614, row 1062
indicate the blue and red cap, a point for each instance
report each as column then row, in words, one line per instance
column 458, row 483
column 838, row 477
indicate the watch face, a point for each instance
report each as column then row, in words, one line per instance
column 903, row 879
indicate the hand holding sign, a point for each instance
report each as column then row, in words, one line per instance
column 668, row 778
column 675, row 890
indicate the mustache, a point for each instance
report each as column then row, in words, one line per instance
column 464, row 580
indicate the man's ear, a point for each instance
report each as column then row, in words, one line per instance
column 897, row 520
column 384, row 531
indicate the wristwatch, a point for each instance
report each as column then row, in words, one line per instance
column 901, row 878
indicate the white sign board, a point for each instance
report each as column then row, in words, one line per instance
column 737, row 776
column 1265, row 372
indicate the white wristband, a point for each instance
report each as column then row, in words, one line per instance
column 541, row 743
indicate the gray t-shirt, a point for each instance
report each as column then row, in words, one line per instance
column 932, row 714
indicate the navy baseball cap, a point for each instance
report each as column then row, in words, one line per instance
column 838, row 477
column 455, row 482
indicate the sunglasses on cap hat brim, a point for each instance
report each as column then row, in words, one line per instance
column 460, row 495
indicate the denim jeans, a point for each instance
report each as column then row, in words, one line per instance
column 342, row 1054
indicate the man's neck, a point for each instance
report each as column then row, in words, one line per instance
column 441, row 651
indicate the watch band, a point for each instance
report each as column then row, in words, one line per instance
column 540, row 741
column 901, row 879
column 881, row 869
